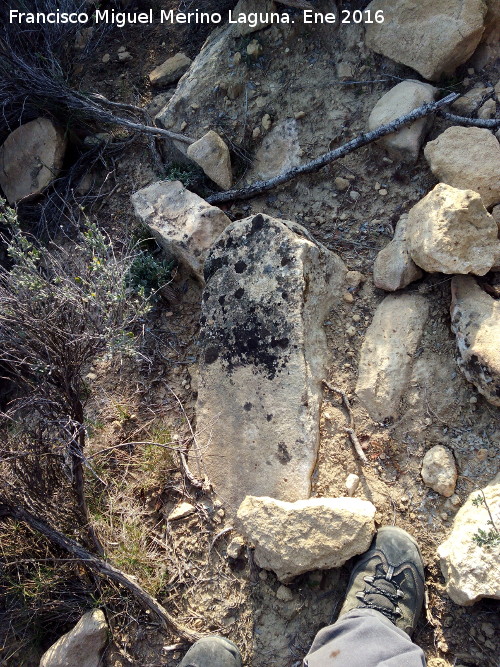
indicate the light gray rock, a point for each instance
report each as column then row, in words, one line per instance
column 351, row 484
column 280, row 150
column 182, row 511
column 431, row 36
column 394, row 268
column 30, row 158
column 261, row 8
column 475, row 320
column 386, row 354
column 467, row 158
column 471, row 571
column 171, row 70
column 183, row 223
column 262, row 356
column 314, row 534
column 212, row 155
column 450, row 231
column 439, row 470
column 403, row 98
column 82, row 646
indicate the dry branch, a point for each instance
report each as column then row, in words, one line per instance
column 350, row 430
column 314, row 165
column 99, row 567
column 488, row 123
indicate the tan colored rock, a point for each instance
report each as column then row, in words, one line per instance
column 387, row 351
column 314, row 534
column 467, row 158
column 280, row 150
column 394, row 268
column 475, row 320
column 82, row 646
column 30, row 158
column 439, row 470
column 403, row 98
column 261, row 8
column 470, row 101
column 450, row 231
column 471, row 571
column 431, row 36
column 183, row 223
column 263, row 353
column 212, row 154
column 171, row 70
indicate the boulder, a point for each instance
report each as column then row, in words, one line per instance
column 475, row 320
column 170, row 71
column 394, row 268
column 263, row 353
column 450, row 231
column 431, row 36
column 314, row 534
column 470, row 569
column 30, row 158
column 403, row 98
column 467, row 158
column 82, row 645
column 212, row 155
column 183, row 223
column 261, row 8
column 439, row 470
column 387, row 351
column 280, row 150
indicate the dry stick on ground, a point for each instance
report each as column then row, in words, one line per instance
column 350, row 430
column 99, row 567
column 488, row 123
column 362, row 140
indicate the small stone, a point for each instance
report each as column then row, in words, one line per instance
column 488, row 629
column 299, row 114
column 91, row 376
column 181, row 511
column 254, row 49
column 444, row 516
column 266, row 121
column 212, row 155
column 345, row 70
column 487, row 110
column 354, row 278
column 235, row 547
column 351, row 484
column 482, row 454
column 439, row 470
column 237, row 58
column 106, row 58
column 341, row 183
column 383, row 192
column 256, row 132
column 455, row 500
column 124, row 55
column 348, row 297
column 284, row 594
column 394, row 268
column 170, row 71
column 183, row 125
column 122, row 49
column 354, row 195
column 351, row 331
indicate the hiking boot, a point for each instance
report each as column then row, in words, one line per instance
column 212, row 652
column 389, row 578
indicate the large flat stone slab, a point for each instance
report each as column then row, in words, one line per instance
column 263, row 351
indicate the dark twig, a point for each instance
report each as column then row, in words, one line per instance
column 488, row 123
column 314, row 165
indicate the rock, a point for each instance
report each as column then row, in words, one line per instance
column 354, row 278
column 266, row 121
column 439, row 470
column 403, row 98
column 345, row 70
column 470, row 101
column 471, row 571
column 450, row 231
column 394, row 268
column 212, row 154
column 475, row 320
column 183, row 223
column 280, row 150
column 341, row 183
column 30, row 158
column 82, row 645
column 261, row 8
column 314, row 534
column 124, row 55
column 487, row 110
column 262, row 356
column 387, row 351
column 284, row 594
column 171, row 70
column 159, row 102
column 467, row 158
column 181, row 511
column 351, row 484
column 235, row 547
column 433, row 37
column 254, row 49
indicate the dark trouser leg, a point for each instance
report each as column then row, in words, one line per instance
column 212, row 652
column 363, row 638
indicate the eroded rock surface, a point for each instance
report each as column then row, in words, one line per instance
column 314, row 534
column 439, row 470
column 212, row 154
column 471, row 571
column 268, row 288
column 170, row 71
column 82, row 645
column 475, row 320
column 386, row 354
column 280, row 150
column 394, row 268
column 183, row 223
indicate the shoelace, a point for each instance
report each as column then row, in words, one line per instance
column 375, row 590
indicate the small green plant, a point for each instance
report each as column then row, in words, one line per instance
column 186, row 174
column 490, row 537
column 148, row 274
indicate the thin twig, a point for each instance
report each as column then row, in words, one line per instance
column 350, row 430
column 489, row 123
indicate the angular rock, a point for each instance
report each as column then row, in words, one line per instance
column 470, row 101
column 431, row 36
column 439, row 470
column 467, row 158
column 171, row 70
column 394, row 268
column 471, row 571
column 403, row 98
column 82, row 645
column 183, row 223
column 450, row 231
column 212, row 154
column 475, row 320
column 181, row 511
column 262, row 356
column 261, row 8
column 387, row 351
column 279, row 151
column 30, row 158
column 314, row 534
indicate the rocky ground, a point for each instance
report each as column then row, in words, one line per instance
column 429, row 427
